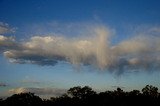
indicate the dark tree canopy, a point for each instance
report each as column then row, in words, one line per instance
column 150, row 90
column 85, row 96
column 80, row 93
column 24, row 99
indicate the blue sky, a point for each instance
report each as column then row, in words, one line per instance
column 58, row 44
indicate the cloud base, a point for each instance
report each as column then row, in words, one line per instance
column 138, row 53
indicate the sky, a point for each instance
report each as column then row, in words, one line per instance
column 49, row 46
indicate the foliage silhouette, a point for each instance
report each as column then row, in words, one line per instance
column 81, row 93
column 85, row 96
column 23, row 99
column 150, row 90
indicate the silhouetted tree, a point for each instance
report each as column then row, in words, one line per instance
column 23, row 99
column 150, row 90
column 78, row 92
column 75, row 92
column 134, row 93
column 1, row 101
column 85, row 96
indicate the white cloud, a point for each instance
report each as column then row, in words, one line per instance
column 7, row 43
column 137, row 45
column 39, row 91
column 140, row 52
column 51, row 49
column 4, row 28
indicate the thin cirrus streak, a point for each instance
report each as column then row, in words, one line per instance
column 40, row 91
column 138, row 53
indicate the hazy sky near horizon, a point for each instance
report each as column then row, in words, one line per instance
column 48, row 46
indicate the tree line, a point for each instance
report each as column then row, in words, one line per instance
column 86, row 96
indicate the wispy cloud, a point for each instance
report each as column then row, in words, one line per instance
column 3, row 84
column 8, row 43
column 39, row 91
column 30, row 81
column 4, row 28
column 140, row 52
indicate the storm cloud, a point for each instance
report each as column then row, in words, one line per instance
column 141, row 52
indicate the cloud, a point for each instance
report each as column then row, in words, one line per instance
column 48, row 50
column 2, row 84
column 140, row 52
column 39, row 91
column 4, row 28
column 30, row 81
column 7, row 43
